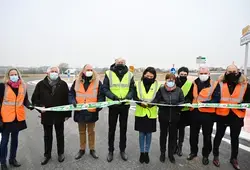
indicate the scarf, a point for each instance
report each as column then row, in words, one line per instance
column 14, row 85
column 53, row 84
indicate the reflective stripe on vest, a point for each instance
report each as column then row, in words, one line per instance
column 235, row 98
column 204, row 95
column 89, row 95
column 147, row 97
column 185, row 89
column 12, row 105
column 117, row 87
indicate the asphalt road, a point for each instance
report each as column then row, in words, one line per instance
column 30, row 151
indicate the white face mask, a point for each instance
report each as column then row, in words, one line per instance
column 204, row 77
column 89, row 73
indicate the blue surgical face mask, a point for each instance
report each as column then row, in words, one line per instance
column 170, row 84
column 53, row 76
column 14, row 78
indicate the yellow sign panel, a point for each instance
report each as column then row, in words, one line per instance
column 245, row 30
column 131, row 69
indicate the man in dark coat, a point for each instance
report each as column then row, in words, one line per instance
column 118, row 84
column 82, row 91
column 51, row 92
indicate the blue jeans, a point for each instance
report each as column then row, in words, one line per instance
column 145, row 138
column 4, row 146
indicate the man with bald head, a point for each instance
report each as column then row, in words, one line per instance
column 87, row 88
column 234, row 90
column 118, row 85
column 203, row 118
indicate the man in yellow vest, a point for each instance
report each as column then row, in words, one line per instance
column 118, row 84
column 185, row 85
column 234, row 90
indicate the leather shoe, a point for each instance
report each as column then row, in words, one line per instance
column 205, row 160
column 191, row 156
column 172, row 159
column 14, row 163
column 45, row 160
column 141, row 159
column 162, row 157
column 124, row 156
column 93, row 154
column 216, row 161
column 235, row 164
column 110, row 157
column 61, row 158
column 4, row 167
column 79, row 154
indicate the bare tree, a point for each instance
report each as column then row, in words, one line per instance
column 63, row 67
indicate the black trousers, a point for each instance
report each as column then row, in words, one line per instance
column 48, row 138
column 114, row 113
column 165, row 129
column 204, row 121
column 180, row 134
column 235, row 129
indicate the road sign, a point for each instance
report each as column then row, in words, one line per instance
column 201, row 60
column 245, row 39
column 173, row 70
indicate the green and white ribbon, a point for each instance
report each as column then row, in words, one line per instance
column 110, row 103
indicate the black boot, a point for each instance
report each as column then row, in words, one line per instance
column 141, row 159
column 14, row 163
column 79, row 154
column 146, row 158
column 4, row 167
column 179, row 150
column 162, row 157
column 93, row 154
column 205, row 160
column 172, row 159
column 124, row 156
column 61, row 158
column 45, row 160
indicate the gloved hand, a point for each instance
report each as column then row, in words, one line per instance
column 144, row 104
column 31, row 107
column 74, row 103
column 115, row 98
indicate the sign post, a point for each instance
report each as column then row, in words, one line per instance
column 244, row 40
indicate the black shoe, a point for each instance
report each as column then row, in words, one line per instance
column 14, row 163
column 45, row 160
column 4, row 167
column 79, row 154
column 162, row 157
column 61, row 158
column 191, row 156
column 205, row 160
column 110, row 157
column 146, row 158
column 216, row 161
column 124, row 156
column 179, row 150
column 172, row 159
column 176, row 149
column 142, row 156
column 235, row 164
column 93, row 154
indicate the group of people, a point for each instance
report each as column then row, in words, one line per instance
column 153, row 100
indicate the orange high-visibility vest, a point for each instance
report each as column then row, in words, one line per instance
column 204, row 95
column 235, row 98
column 89, row 96
column 12, row 106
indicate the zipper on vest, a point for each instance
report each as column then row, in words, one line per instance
column 15, row 109
column 170, row 108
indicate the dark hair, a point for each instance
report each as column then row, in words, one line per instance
column 150, row 70
column 184, row 69
column 170, row 75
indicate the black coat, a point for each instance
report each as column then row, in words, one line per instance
column 43, row 96
column 120, row 74
column 175, row 97
column 84, row 115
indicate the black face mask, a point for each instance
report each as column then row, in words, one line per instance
column 120, row 66
column 183, row 78
column 232, row 77
column 86, row 78
column 148, row 81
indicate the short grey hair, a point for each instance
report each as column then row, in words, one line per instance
column 120, row 59
column 203, row 67
column 49, row 69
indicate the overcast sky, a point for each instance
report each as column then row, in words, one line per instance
column 158, row 33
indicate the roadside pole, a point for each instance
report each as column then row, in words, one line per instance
column 244, row 40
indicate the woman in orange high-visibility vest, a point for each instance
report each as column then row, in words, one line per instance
column 13, row 98
column 234, row 90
